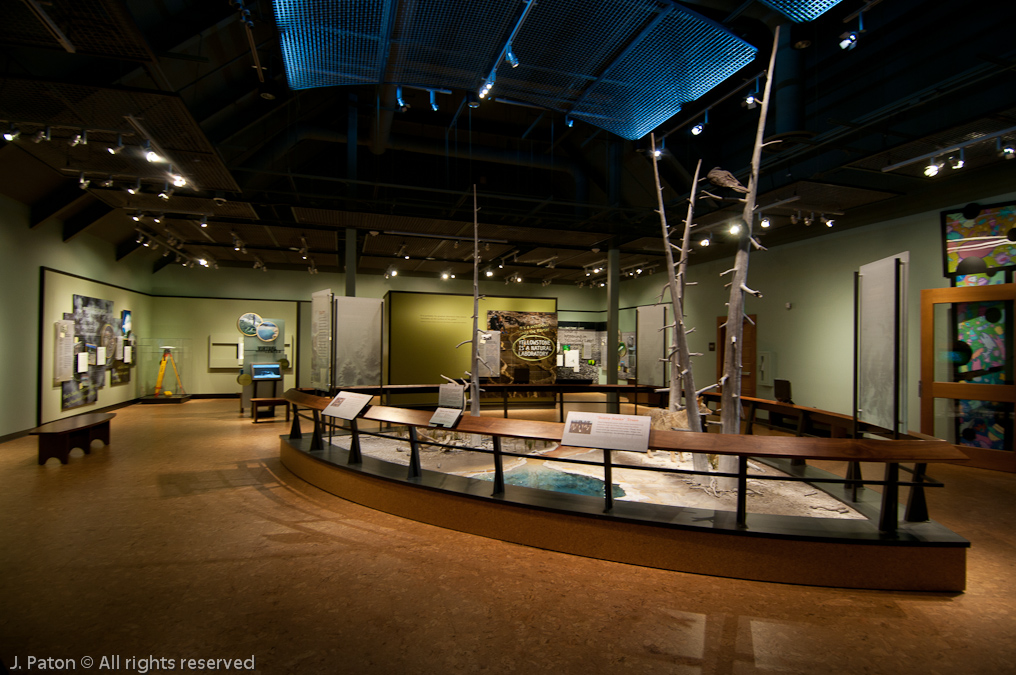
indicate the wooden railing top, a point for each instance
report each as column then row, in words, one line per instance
column 797, row 447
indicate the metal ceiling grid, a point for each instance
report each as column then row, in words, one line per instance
column 333, row 43
column 447, row 44
column 94, row 27
column 680, row 59
column 801, row 10
column 622, row 65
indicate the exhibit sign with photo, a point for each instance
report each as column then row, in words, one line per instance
column 528, row 345
column 605, row 430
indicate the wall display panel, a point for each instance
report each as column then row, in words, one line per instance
column 357, row 343
column 579, row 347
column 95, row 312
column 528, row 345
column 880, row 306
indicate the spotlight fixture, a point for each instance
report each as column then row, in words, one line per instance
column 510, row 57
column 765, row 223
column 471, row 100
column 445, row 275
column 403, row 106
column 12, row 134
column 808, row 220
column 115, row 149
column 80, row 138
column 203, row 222
column 848, row 40
column 933, row 167
column 82, row 181
column 391, row 272
column 157, row 218
column 701, row 126
column 140, row 238
column 166, row 193
column 750, row 102
column 488, row 84
column 134, row 189
column 108, row 183
column 735, row 228
column 150, row 154
column 42, row 135
column 704, row 241
column 489, row 272
column 433, row 100
column 312, row 269
column 795, row 218
column 957, row 162
column 829, row 222
column 176, row 179
column 568, row 121
column 1007, row 151
column 258, row 265
column 137, row 217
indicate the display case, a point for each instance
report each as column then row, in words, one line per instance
column 163, row 368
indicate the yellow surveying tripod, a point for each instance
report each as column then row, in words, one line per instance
column 167, row 356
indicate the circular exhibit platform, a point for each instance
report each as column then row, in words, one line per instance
column 787, row 549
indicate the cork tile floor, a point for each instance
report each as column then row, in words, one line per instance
column 186, row 538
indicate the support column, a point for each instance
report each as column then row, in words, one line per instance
column 613, row 323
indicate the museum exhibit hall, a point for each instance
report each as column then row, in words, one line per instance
column 434, row 336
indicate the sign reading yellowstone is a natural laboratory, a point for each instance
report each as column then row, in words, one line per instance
column 533, row 347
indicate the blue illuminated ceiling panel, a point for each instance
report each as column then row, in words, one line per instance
column 802, row 10
column 622, row 65
column 333, row 43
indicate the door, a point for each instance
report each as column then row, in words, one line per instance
column 967, row 387
column 749, row 377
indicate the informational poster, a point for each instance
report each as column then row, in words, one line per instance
column 445, row 417
column 604, row 430
column 63, row 344
column 489, row 350
column 83, row 362
column 321, row 339
column 347, row 405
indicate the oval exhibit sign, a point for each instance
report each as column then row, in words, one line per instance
column 533, row 347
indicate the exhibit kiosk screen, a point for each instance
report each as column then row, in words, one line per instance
column 266, row 371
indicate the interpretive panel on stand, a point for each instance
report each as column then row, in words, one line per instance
column 445, row 417
column 347, row 405
column 608, row 431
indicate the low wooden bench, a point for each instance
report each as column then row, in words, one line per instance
column 57, row 439
column 256, row 403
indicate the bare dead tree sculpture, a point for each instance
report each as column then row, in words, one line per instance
column 682, row 380
column 730, row 402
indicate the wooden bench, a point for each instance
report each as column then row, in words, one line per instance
column 57, row 439
column 256, row 403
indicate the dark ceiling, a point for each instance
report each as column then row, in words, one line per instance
column 283, row 170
